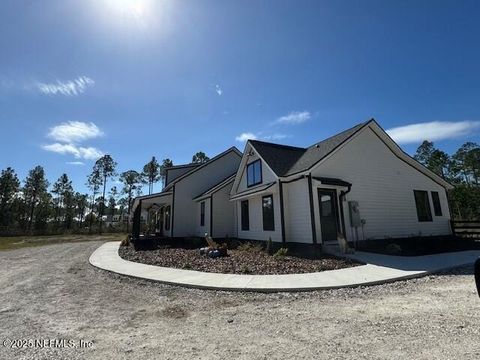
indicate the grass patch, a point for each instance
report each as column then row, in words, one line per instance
column 17, row 242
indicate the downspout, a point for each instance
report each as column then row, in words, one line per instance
column 211, row 216
column 173, row 212
column 341, row 197
column 282, row 214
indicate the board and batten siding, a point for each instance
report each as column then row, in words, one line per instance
column 383, row 185
column 256, row 231
column 297, row 212
column 223, row 213
column 267, row 175
column 186, row 209
column 202, row 230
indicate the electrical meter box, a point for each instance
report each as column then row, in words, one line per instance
column 354, row 211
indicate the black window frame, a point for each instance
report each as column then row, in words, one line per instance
column 245, row 215
column 168, row 217
column 427, row 217
column 202, row 213
column 268, row 218
column 255, row 180
column 437, row 206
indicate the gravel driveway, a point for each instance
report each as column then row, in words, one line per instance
column 51, row 292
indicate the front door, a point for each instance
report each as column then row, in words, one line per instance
column 327, row 200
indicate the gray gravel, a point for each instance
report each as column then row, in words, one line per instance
column 51, row 292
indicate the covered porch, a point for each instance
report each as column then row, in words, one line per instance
column 157, row 209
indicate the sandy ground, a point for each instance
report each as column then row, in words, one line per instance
column 51, row 292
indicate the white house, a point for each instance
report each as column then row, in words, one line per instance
column 184, row 207
column 358, row 183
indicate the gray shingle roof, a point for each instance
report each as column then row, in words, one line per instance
column 288, row 160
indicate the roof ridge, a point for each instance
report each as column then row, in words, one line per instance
column 279, row 145
column 341, row 132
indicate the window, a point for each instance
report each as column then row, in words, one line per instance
column 423, row 205
column 326, row 205
column 167, row 218
column 437, row 208
column 254, row 173
column 245, row 216
column 202, row 213
column 267, row 210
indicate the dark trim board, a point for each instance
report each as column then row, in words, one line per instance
column 211, row 216
column 282, row 212
column 312, row 211
column 172, row 217
column 406, row 162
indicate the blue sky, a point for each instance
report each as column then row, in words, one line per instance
column 136, row 78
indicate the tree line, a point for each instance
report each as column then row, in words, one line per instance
column 461, row 169
column 36, row 206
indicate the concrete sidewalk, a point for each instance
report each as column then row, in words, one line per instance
column 379, row 269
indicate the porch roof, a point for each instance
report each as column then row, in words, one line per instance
column 332, row 181
column 157, row 199
column 252, row 191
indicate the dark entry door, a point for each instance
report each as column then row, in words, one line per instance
column 327, row 200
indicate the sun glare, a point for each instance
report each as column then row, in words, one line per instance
column 129, row 9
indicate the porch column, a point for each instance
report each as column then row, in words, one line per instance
column 136, row 221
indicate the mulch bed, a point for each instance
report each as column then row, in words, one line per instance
column 237, row 261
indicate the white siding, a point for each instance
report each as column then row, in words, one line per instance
column 223, row 213
column 267, row 175
column 256, row 231
column 186, row 219
column 383, row 185
column 297, row 212
column 201, row 230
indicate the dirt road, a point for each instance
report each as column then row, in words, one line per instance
column 51, row 293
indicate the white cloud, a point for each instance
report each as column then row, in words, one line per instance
column 246, row 136
column 79, row 163
column 68, row 88
column 251, row 136
column 79, row 152
column 218, row 90
column 274, row 137
column 74, row 131
column 434, row 130
column 295, row 117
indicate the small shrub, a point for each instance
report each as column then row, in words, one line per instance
column 245, row 270
column 393, row 249
column 125, row 241
column 248, row 246
column 268, row 249
column 281, row 253
column 187, row 266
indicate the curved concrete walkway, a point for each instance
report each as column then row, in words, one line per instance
column 379, row 269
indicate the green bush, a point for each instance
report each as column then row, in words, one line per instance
column 282, row 252
column 245, row 270
column 248, row 246
column 187, row 266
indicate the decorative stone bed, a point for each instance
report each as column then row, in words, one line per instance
column 251, row 261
